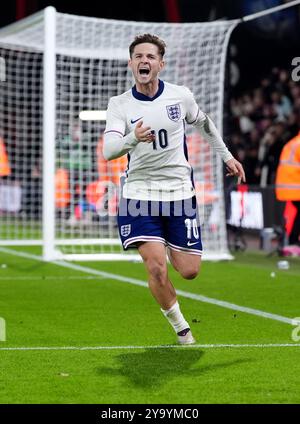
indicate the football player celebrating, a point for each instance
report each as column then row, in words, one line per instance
column 158, row 210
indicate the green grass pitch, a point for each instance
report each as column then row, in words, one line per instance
column 133, row 361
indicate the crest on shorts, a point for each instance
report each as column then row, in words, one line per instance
column 174, row 112
column 125, row 230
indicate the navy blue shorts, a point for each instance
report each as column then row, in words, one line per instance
column 175, row 224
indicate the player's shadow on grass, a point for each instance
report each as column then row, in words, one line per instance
column 154, row 367
column 27, row 268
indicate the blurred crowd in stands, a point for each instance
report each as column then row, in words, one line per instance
column 261, row 121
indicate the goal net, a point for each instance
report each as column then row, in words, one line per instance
column 58, row 74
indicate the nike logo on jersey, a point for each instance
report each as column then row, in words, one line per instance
column 134, row 121
column 192, row 244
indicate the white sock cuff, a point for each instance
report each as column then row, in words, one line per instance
column 172, row 309
column 175, row 317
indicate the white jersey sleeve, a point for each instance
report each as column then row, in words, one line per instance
column 115, row 144
column 205, row 126
column 193, row 112
column 209, row 131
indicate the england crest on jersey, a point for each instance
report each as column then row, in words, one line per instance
column 125, row 230
column 174, row 112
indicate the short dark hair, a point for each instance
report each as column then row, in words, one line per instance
column 148, row 38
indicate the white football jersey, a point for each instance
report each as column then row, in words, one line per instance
column 159, row 170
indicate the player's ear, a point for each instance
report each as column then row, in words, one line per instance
column 161, row 65
column 129, row 63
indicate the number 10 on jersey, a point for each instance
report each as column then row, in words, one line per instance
column 162, row 139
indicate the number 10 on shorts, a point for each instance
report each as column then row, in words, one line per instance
column 191, row 227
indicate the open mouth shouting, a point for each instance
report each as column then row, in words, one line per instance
column 144, row 71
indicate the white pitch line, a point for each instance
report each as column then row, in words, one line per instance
column 201, row 346
column 141, row 283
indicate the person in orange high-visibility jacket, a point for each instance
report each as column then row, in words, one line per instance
column 4, row 162
column 62, row 188
column 287, row 184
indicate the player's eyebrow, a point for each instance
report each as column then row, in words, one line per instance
column 147, row 54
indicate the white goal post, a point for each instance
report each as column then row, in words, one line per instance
column 61, row 71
